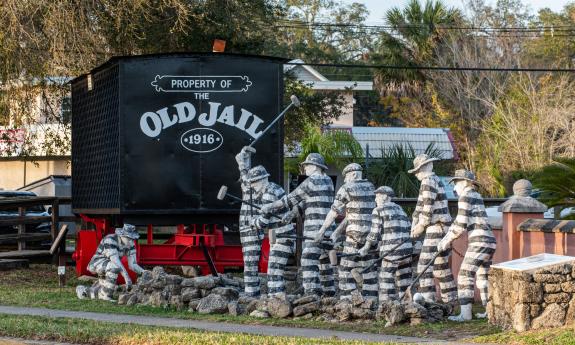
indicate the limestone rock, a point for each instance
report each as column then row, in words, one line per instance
column 305, row 300
column 226, row 292
column 193, row 305
column 235, row 309
column 561, row 297
column 522, row 317
column 158, row 273
column 123, row 298
column 549, row 278
column 177, row 302
column 562, row 269
column 188, row 282
column 328, row 301
column 245, row 300
column 529, row 292
column 226, row 281
column 260, row 314
column 135, row 299
column 362, row 313
column 356, row 298
column 552, row 288
column 213, row 304
column 392, row 311
column 568, row 286
column 189, row 294
column 251, row 306
column 306, row 308
column 206, row 282
column 279, row 308
column 535, row 310
column 190, row 271
column 570, row 317
column 173, row 279
column 552, row 316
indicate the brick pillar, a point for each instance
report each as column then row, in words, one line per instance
column 517, row 209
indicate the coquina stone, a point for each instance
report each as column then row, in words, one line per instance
column 549, row 278
column 568, row 286
column 190, row 293
column 279, row 307
column 206, row 282
column 227, row 292
column 193, row 305
column 561, row 297
column 260, row 314
column 552, row 316
column 305, row 300
column 552, row 288
column 570, row 316
column 529, row 292
column 522, row 317
column 535, row 310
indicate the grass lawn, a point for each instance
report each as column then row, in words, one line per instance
column 38, row 287
column 92, row 332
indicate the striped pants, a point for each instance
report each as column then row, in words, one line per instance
column 317, row 272
column 347, row 283
column 440, row 268
column 107, row 273
column 279, row 255
column 477, row 260
column 394, row 278
column 251, row 240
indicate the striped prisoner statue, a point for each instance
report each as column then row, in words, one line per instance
column 432, row 211
column 390, row 227
column 356, row 199
column 471, row 217
column 102, row 263
column 315, row 196
column 284, row 247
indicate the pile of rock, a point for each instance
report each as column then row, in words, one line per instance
column 222, row 295
column 534, row 299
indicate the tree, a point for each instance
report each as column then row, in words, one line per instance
column 556, row 182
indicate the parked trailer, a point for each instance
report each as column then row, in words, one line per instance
column 153, row 139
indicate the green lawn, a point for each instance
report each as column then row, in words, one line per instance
column 38, row 287
column 92, row 332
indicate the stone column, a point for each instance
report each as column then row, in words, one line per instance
column 520, row 207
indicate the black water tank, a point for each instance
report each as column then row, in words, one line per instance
column 154, row 137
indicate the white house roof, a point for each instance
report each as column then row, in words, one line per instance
column 378, row 138
column 318, row 81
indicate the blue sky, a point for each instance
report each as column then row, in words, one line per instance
column 377, row 8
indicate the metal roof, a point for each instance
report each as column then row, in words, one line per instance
column 385, row 138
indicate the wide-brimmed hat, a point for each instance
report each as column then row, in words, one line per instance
column 128, row 230
column 462, row 174
column 351, row 167
column 315, row 159
column 385, row 190
column 420, row 161
column 257, row 173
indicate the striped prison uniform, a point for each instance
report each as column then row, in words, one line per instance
column 102, row 263
column 315, row 196
column 284, row 247
column 251, row 238
column 432, row 211
column 390, row 225
column 356, row 199
column 471, row 216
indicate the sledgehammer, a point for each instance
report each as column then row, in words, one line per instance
column 294, row 101
column 224, row 192
column 272, row 236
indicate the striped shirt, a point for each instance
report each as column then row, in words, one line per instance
column 272, row 193
column 471, row 216
column 110, row 246
column 357, row 200
column 390, row 225
column 431, row 203
column 247, row 212
column 315, row 196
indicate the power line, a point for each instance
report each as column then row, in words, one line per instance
column 436, row 68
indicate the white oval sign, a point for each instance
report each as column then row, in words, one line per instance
column 202, row 140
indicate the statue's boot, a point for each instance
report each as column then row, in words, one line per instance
column 464, row 315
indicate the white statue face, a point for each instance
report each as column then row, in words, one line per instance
column 352, row 176
column 424, row 171
column 310, row 169
column 381, row 199
column 124, row 240
column 460, row 186
column 260, row 185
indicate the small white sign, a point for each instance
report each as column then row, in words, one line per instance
column 61, row 270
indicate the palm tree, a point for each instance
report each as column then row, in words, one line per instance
column 557, row 183
column 391, row 169
column 338, row 147
column 414, row 34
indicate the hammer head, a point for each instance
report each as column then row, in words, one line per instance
column 222, row 193
column 272, row 236
column 333, row 257
column 295, row 100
